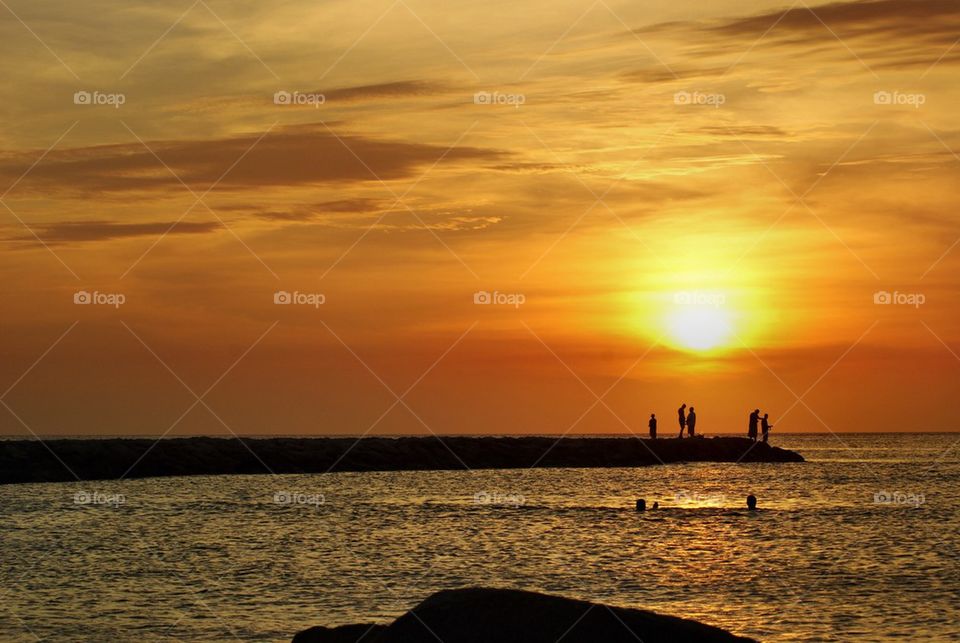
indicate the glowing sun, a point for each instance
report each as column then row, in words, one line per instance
column 700, row 327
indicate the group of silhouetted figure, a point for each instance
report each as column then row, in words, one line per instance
column 642, row 504
column 688, row 422
column 764, row 422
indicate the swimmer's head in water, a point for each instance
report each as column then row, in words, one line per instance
column 751, row 501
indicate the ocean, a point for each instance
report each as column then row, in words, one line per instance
column 858, row 543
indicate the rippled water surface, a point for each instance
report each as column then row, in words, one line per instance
column 858, row 543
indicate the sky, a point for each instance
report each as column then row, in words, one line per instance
column 406, row 217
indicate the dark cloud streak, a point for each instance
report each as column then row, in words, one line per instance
column 291, row 157
column 81, row 231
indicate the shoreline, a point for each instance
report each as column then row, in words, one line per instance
column 67, row 460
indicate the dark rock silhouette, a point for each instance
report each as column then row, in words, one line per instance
column 342, row 634
column 105, row 459
column 480, row 615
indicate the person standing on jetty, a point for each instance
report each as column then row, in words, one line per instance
column 653, row 426
column 681, row 412
column 752, row 430
column 691, row 423
column 765, row 427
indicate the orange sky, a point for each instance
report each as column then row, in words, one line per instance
column 695, row 202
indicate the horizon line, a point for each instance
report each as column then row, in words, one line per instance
column 107, row 436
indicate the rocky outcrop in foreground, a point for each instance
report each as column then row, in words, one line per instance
column 481, row 615
column 112, row 458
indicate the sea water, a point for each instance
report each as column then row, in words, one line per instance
column 858, row 543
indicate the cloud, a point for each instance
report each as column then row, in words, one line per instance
column 887, row 34
column 309, row 212
column 659, row 74
column 526, row 167
column 80, row 231
column 881, row 32
column 301, row 155
column 889, row 17
column 747, row 132
column 333, row 97
column 397, row 89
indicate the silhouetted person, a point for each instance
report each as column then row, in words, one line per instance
column 691, row 422
column 765, row 427
column 682, row 417
column 752, row 430
column 656, row 505
column 641, row 505
column 653, row 426
column 752, row 502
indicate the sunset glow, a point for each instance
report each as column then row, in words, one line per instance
column 588, row 166
column 701, row 328
column 479, row 322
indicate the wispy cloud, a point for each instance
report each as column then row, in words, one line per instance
column 300, row 155
column 87, row 231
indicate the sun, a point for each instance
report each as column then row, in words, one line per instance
column 700, row 328
column 703, row 303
